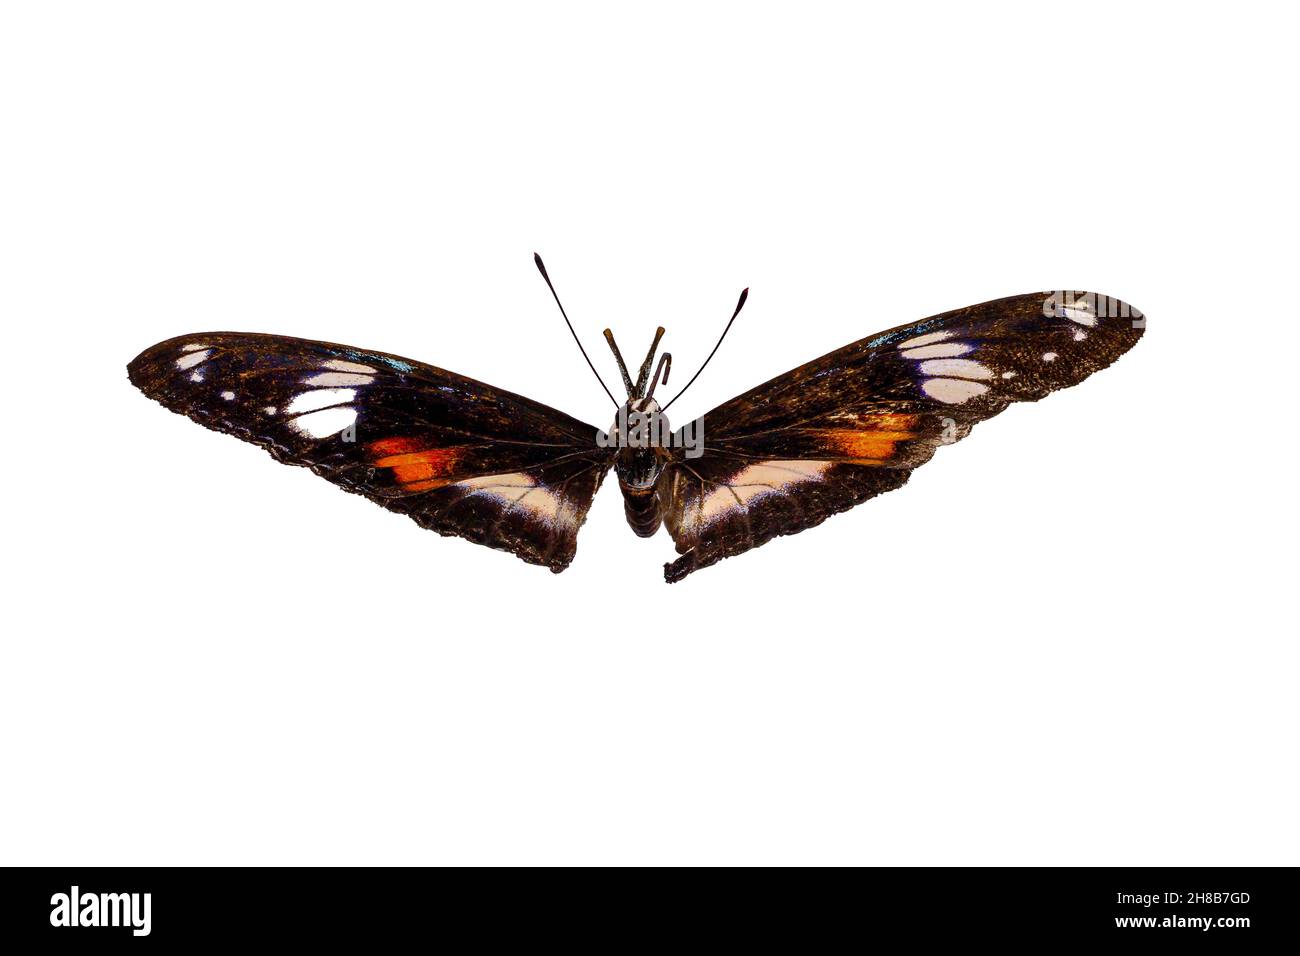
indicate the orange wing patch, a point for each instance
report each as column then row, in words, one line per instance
column 416, row 468
column 874, row 440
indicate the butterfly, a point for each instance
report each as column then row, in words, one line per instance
column 468, row 459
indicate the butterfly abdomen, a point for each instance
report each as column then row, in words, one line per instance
column 641, row 505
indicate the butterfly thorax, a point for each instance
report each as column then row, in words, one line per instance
column 642, row 436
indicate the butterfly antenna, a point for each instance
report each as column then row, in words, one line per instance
column 541, row 267
column 739, row 305
column 644, row 375
column 665, row 366
column 622, row 366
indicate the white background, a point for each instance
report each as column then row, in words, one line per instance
column 1069, row 640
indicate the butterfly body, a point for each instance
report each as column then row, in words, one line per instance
column 468, row 459
column 643, row 438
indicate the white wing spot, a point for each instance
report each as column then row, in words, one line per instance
column 924, row 340
column 959, row 368
column 1008, row 374
column 1049, row 356
column 228, row 396
column 193, row 359
column 339, row 365
column 337, row 379
column 514, row 480
column 196, row 376
column 952, row 391
column 270, row 409
column 1080, row 335
column 943, row 350
column 518, row 490
column 321, row 398
column 329, row 421
column 758, row 481
column 1080, row 313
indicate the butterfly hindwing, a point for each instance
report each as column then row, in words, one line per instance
column 458, row 456
column 721, row 505
column 853, row 424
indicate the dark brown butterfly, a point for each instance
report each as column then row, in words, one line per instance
column 464, row 458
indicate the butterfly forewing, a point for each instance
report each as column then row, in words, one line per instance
column 853, row 424
column 458, row 456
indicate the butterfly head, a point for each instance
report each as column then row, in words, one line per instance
column 640, row 433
